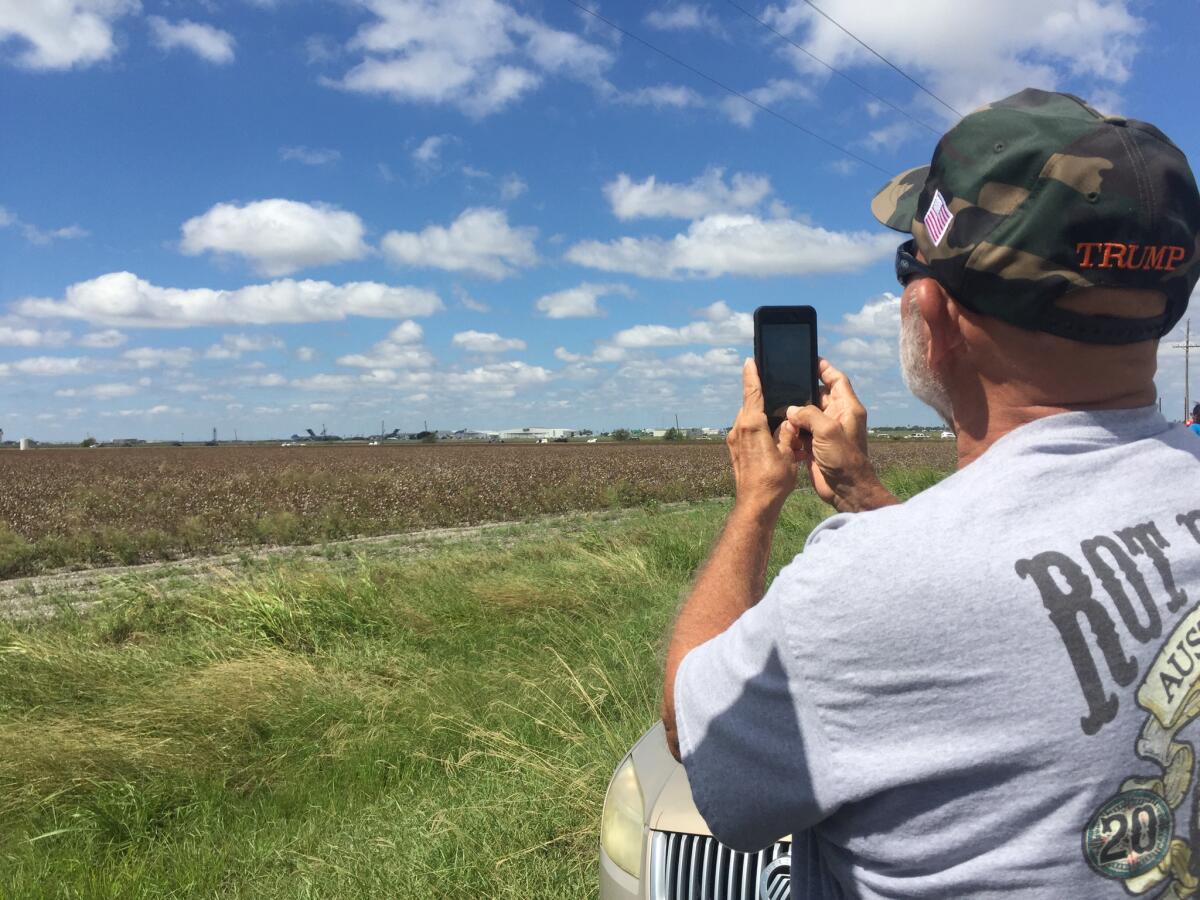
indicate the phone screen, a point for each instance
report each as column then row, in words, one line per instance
column 787, row 366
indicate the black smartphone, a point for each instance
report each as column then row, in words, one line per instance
column 785, row 351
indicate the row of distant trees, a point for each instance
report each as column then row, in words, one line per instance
column 429, row 437
column 624, row 434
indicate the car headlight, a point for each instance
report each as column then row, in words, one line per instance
column 621, row 824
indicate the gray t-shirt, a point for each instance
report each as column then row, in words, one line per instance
column 982, row 692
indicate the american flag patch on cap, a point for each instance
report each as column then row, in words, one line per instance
column 938, row 218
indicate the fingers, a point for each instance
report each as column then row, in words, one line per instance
column 787, row 438
column 833, row 378
column 752, row 399
column 837, row 384
column 812, row 420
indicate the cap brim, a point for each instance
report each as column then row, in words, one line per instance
column 896, row 203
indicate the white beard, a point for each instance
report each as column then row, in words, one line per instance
column 918, row 377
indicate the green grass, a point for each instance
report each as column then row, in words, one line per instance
column 435, row 727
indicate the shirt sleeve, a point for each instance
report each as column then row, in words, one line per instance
column 756, row 756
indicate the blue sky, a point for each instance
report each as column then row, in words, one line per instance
column 264, row 216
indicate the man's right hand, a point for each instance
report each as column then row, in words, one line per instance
column 833, row 439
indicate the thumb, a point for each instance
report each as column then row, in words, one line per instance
column 812, row 420
column 789, row 439
column 752, row 399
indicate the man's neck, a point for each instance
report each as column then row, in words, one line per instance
column 988, row 422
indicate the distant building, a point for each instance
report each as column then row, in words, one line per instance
column 536, row 434
column 126, row 442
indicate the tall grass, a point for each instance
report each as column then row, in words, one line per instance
column 435, row 727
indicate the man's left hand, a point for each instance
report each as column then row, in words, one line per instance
column 764, row 464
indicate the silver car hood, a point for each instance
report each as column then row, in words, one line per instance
column 665, row 789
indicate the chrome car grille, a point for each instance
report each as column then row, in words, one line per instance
column 697, row 867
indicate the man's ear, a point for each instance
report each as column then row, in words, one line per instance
column 942, row 318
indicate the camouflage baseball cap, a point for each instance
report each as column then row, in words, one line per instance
column 1038, row 195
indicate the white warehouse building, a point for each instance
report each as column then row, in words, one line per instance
column 536, row 434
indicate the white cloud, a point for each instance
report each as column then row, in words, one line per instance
column 107, row 339
column 480, row 241
column 324, row 383
column 401, row 349
column 486, row 342
column 209, row 43
column 704, row 195
column 61, row 34
column 981, row 51
column 464, row 297
column 512, row 186
column 720, row 361
column 661, row 96
column 723, row 244
column 773, row 92
column 509, row 187
column 429, row 151
column 499, row 379
column 121, row 298
column 306, row 354
column 718, row 325
column 232, row 346
column 608, row 353
column 578, row 302
column 277, row 236
column 879, row 317
column 40, row 236
column 685, row 17
column 154, row 357
column 160, row 410
column 477, row 55
column 861, row 355
column 21, row 336
column 50, row 366
column 396, row 380
column 310, row 156
column 99, row 391
column 889, row 136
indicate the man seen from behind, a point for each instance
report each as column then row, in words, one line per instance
column 987, row 691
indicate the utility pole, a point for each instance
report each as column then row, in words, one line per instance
column 676, row 421
column 1187, row 346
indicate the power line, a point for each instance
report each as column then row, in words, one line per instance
column 679, row 62
column 883, row 58
column 834, row 70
